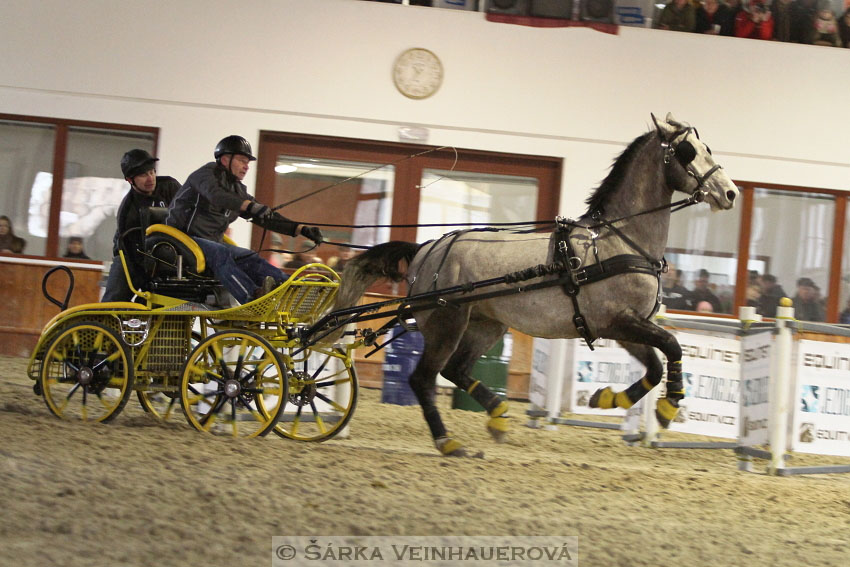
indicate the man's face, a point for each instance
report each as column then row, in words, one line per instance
column 806, row 292
column 144, row 183
column 4, row 227
column 237, row 164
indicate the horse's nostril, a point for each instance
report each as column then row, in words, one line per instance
column 730, row 195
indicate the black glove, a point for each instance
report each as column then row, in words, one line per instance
column 313, row 233
column 258, row 210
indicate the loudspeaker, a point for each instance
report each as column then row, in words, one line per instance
column 516, row 7
column 552, row 8
column 597, row 11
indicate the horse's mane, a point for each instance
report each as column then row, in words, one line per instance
column 596, row 202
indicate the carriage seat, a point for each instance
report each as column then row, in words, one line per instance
column 174, row 263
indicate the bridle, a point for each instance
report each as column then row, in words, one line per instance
column 684, row 152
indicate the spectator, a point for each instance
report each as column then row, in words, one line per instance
column 75, row 249
column 711, row 16
column 296, row 262
column 806, row 304
column 212, row 198
column 673, row 294
column 844, row 29
column 678, row 15
column 757, row 23
column 9, row 243
column 803, row 20
column 727, row 27
column 705, row 307
column 702, row 292
column 147, row 189
column 844, row 318
column 771, row 293
column 825, row 27
column 753, row 295
column 782, row 18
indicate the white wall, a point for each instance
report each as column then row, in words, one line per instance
column 202, row 69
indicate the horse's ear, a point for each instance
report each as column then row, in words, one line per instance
column 664, row 129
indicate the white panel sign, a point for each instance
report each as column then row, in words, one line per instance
column 608, row 365
column 756, row 351
column 822, row 399
column 711, row 371
column 537, row 389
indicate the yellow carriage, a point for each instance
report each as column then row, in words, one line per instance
column 242, row 371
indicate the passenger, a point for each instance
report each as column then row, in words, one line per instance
column 212, row 198
column 146, row 190
column 9, row 243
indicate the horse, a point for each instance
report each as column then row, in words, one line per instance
column 621, row 237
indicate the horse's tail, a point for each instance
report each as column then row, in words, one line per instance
column 379, row 262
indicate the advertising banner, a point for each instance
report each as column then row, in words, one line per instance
column 711, row 372
column 822, row 399
column 608, row 365
column 756, row 354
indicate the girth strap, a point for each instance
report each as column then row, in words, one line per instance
column 620, row 264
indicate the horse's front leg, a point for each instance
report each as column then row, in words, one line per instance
column 638, row 336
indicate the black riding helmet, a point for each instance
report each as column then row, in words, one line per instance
column 136, row 162
column 234, row 145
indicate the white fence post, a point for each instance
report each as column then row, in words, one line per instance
column 779, row 409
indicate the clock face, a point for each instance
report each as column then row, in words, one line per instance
column 417, row 73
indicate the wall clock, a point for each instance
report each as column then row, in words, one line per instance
column 417, row 73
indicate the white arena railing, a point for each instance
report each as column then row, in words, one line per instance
column 754, row 383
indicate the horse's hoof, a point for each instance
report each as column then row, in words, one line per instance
column 665, row 411
column 450, row 447
column 498, row 430
column 499, row 423
column 603, row 398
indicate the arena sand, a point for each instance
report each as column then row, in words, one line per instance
column 137, row 492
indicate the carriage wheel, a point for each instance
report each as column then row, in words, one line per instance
column 233, row 384
column 87, row 373
column 163, row 405
column 322, row 394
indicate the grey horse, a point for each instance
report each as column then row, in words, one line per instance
column 622, row 235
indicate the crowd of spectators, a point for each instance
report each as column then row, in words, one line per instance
column 810, row 22
column 763, row 292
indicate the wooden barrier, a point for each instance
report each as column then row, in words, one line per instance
column 24, row 307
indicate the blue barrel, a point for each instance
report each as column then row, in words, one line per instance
column 492, row 371
column 402, row 356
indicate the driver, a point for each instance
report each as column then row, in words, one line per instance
column 212, row 198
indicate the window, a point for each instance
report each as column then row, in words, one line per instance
column 63, row 179
column 26, row 150
column 702, row 260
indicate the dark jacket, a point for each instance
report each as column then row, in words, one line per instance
column 207, row 203
column 210, row 200
column 129, row 217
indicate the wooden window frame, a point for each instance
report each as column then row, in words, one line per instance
column 60, row 150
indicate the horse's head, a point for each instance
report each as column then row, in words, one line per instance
column 690, row 167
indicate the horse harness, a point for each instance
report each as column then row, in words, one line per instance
column 568, row 266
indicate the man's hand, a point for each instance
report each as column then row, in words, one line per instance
column 313, row 233
column 258, row 210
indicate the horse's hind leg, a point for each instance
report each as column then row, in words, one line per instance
column 480, row 335
column 642, row 334
column 442, row 330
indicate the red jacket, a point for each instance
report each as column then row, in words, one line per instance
column 746, row 27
